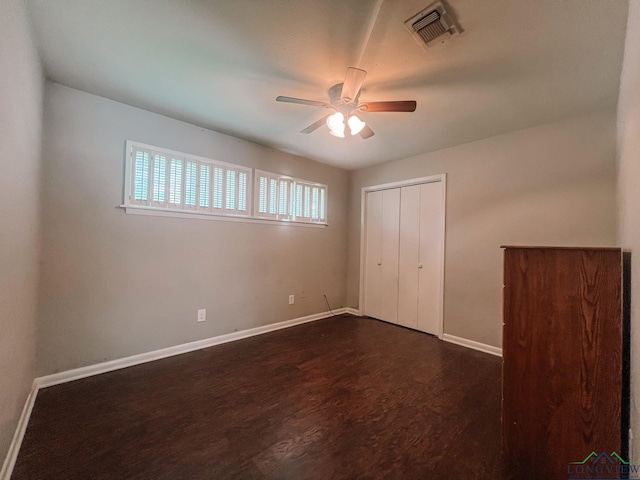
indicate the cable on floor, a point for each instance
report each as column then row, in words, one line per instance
column 328, row 306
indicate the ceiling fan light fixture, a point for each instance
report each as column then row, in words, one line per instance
column 343, row 100
column 337, row 133
column 335, row 123
column 355, row 124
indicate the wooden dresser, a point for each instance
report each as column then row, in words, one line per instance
column 563, row 357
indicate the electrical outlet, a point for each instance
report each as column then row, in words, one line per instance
column 291, row 299
column 202, row 315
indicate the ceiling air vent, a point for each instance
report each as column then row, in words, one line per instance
column 433, row 25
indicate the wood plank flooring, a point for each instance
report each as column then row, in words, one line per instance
column 340, row 398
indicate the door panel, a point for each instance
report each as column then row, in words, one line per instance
column 431, row 257
column 389, row 254
column 373, row 255
column 409, row 256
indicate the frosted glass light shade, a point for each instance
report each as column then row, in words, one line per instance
column 356, row 125
column 336, row 124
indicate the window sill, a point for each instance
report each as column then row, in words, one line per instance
column 160, row 212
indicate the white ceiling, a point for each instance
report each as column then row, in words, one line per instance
column 221, row 63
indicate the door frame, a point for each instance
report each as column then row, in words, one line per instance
column 363, row 232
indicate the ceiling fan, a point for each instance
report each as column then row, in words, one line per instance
column 344, row 100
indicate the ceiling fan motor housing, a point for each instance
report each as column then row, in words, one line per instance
column 335, row 98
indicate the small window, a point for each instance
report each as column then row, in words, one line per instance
column 167, row 180
column 289, row 199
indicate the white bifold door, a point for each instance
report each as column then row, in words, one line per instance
column 404, row 255
column 381, row 257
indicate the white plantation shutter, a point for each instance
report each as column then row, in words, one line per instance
column 284, row 198
column 310, row 202
column 273, row 196
column 232, row 193
column 297, row 210
column 261, row 195
column 315, row 198
column 285, row 201
column 323, row 205
column 161, row 179
column 266, row 195
column 218, row 187
column 243, row 185
column 175, row 182
column 205, row 186
column 306, row 205
column 141, row 163
column 158, row 183
column 190, row 185
column 231, row 190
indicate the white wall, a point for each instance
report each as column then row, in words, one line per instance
column 115, row 285
column 629, row 195
column 549, row 185
column 20, row 128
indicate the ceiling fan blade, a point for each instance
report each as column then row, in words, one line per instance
column 316, row 125
column 301, row 101
column 398, row 106
column 352, row 83
column 366, row 132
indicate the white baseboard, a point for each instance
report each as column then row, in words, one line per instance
column 352, row 311
column 483, row 347
column 14, row 447
column 78, row 373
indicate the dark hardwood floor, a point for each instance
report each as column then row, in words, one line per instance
column 340, row 398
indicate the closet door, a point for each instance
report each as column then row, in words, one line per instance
column 420, row 257
column 431, row 261
column 409, row 256
column 381, row 256
column 373, row 255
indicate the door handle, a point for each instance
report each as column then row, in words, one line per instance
column 419, row 265
column 379, row 263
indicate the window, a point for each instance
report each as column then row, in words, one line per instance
column 289, row 199
column 167, row 180
column 168, row 183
